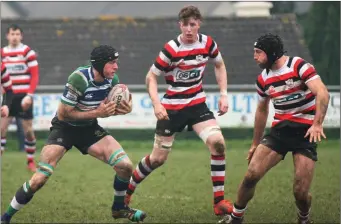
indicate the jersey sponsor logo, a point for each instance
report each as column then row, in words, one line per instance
column 88, row 96
column 203, row 115
column 99, row 133
column 188, row 75
column 289, row 98
column 71, row 95
column 290, row 83
column 16, row 68
column 264, row 141
column 199, row 58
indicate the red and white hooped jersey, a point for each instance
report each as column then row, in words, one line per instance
column 183, row 66
column 287, row 89
column 21, row 63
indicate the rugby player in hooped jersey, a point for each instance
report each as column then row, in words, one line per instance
column 21, row 64
column 300, row 100
column 183, row 61
column 75, row 124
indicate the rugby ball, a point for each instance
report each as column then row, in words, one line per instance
column 118, row 93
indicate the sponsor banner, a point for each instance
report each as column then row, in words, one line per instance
column 242, row 108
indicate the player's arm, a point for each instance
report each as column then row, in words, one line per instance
column 74, row 89
column 159, row 110
column 67, row 112
column 317, row 87
column 221, row 76
column 151, row 83
column 219, row 66
column 32, row 63
column 220, row 73
column 308, row 74
column 161, row 64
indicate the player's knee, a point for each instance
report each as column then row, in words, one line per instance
column 212, row 137
column 30, row 134
column 162, row 146
column 216, row 142
column 44, row 171
column 120, row 161
column 301, row 195
column 37, row 182
column 251, row 178
column 3, row 130
column 218, row 145
column 301, row 192
column 163, row 143
column 126, row 167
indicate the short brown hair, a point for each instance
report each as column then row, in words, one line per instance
column 189, row 12
column 14, row 27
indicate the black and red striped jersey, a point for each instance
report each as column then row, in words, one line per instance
column 21, row 63
column 183, row 66
column 287, row 89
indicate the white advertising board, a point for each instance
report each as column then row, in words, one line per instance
column 242, row 108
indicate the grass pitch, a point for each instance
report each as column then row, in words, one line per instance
column 80, row 190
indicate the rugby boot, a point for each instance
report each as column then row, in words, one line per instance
column 5, row 218
column 31, row 166
column 224, row 207
column 132, row 214
column 307, row 221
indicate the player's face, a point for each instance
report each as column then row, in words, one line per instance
column 14, row 37
column 260, row 57
column 110, row 68
column 189, row 29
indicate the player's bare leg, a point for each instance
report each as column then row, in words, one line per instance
column 5, row 121
column 304, row 172
column 262, row 161
column 30, row 143
column 161, row 149
column 210, row 133
column 111, row 152
column 49, row 158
